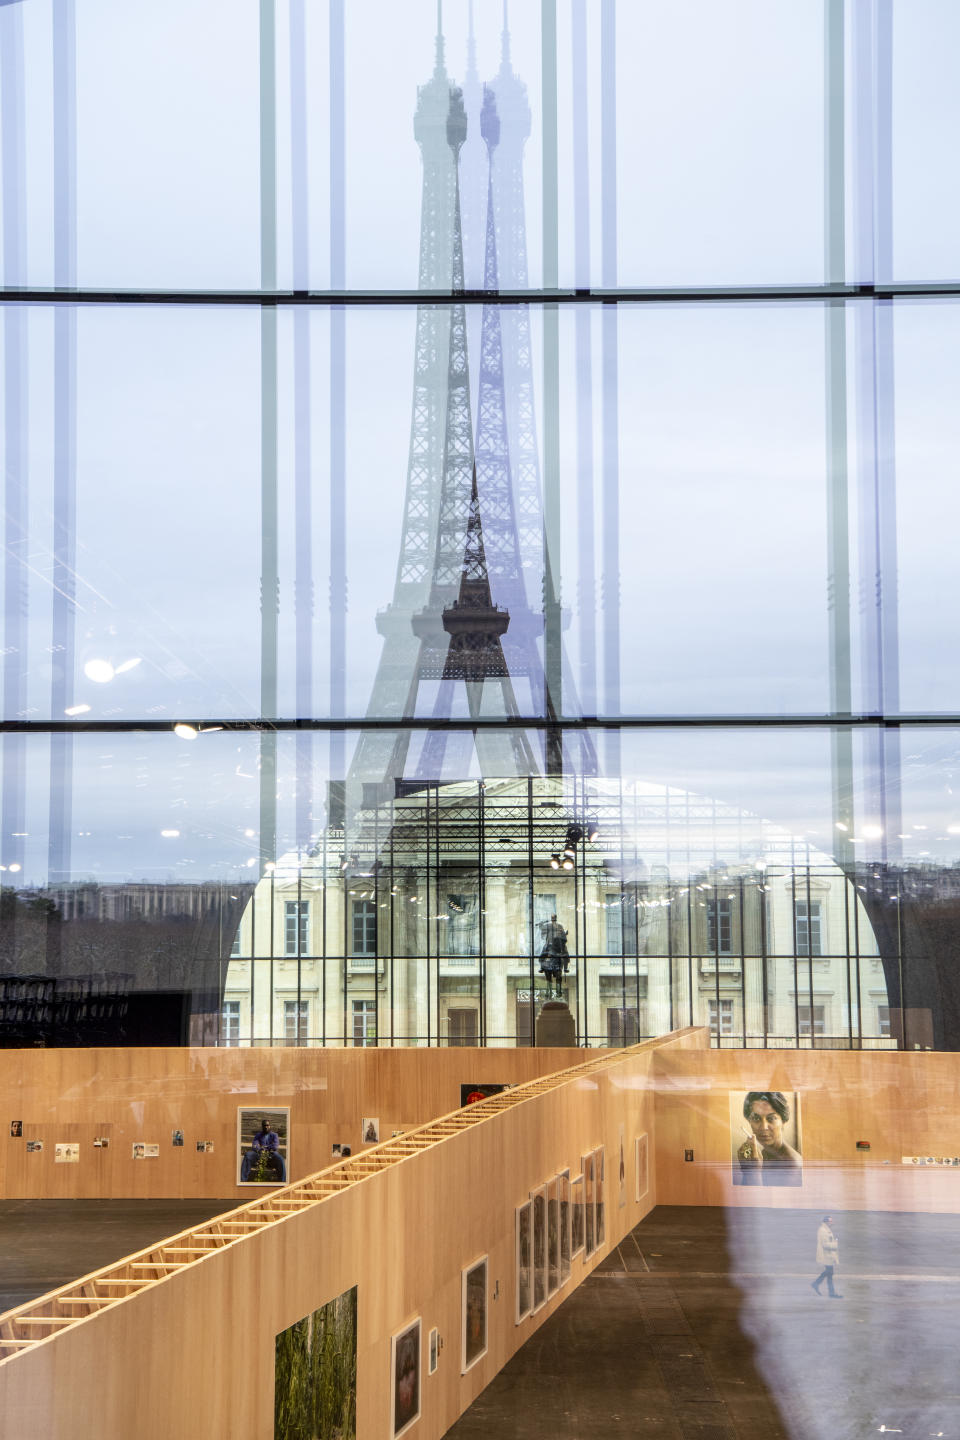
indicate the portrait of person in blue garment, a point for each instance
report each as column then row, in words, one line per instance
column 262, row 1146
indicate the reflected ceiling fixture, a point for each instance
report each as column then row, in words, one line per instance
column 76, row 710
column 101, row 672
column 190, row 732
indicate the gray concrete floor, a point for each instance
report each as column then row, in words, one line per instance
column 47, row 1243
column 703, row 1324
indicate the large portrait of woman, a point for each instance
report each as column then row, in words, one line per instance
column 765, row 1137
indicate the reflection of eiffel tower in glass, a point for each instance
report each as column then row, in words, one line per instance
column 461, row 508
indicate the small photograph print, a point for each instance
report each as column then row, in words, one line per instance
column 405, row 1369
column 16, row 1129
column 315, row 1374
column 589, row 1212
column 370, row 1130
column 539, row 1198
column 263, row 1145
column 201, row 1146
column 176, row 1137
column 473, row 1328
column 66, row 1154
column 208, row 1146
column 642, row 1165
column 601, row 1206
column 553, row 1237
column 151, row 1152
column 622, row 1170
column 138, row 1150
column 336, row 1151
column 102, row 1142
column 434, row 1349
column 566, row 1232
column 765, row 1141
column 524, row 1261
column 34, row 1147
column 576, row 1217
column 473, row 1094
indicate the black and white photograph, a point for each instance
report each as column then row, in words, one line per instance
column 641, row 1164
column 524, row 1260
column 566, row 1223
column 16, row 1129
column 765, row 1138
column 370, row 1131
column 539, row 1198
column 433, row 1350
column 589, row 1210
column 576, row 1217
column 405, row 1370
column 553, row 1237
column 263, row 1145
column 473, row 1313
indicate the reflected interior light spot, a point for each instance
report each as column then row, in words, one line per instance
column 100, row 671
column 15, row 866
column 249, row 834
column 186, row 732
column 130, row 664
column 953, row 830
column 76, row 710
column 872, row 832
column 839, row 825
column 170, row 834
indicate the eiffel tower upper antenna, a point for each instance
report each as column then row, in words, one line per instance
column 505, row 40
column 439, row 67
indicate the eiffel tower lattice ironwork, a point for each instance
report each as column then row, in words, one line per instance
column 461, row 630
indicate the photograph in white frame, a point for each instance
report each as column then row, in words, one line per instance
column 601, row 1205
column 566, row 1221
column 553, row 1237
column 473, row 1314
column 524, row 1260
column 642, row 1165
column 263, row 1154
column 405, row 1377
column 576, row 1217
column 539, row 1199
column 433, row 1346
column 589, row 1212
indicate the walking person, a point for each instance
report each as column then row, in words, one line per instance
column 828, row 1255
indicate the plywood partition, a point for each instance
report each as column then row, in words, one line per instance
column 193, row 1353
column 134, row 1095
column 898, row 1103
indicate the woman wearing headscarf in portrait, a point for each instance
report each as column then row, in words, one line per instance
column 765, row 1158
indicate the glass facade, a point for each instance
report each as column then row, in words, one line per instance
column 460, row 469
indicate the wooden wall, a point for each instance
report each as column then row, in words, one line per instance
column 131, row 1095
column 194, row 1354
column 901, row 1103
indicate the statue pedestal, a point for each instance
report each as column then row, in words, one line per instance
column 555, row 1025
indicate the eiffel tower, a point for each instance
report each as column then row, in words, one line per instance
column 461, row 629
column 468, row 505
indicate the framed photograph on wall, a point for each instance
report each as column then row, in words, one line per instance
column 433, row 1347
column 589, row 1212
column 524, row 1257
column 553, row 1237
column 642, row 1162
column 765, row 1141
column 622, row 1168
column 539, row 1199
column 405, row 1377
column 473, row 1314
column 566, row 1232
column 263, row 1145
column 600, row 1200
column 576, row 1217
